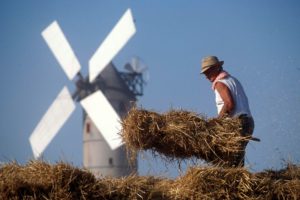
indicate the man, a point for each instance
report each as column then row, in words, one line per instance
column 231, row 99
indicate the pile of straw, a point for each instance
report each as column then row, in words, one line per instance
column 281, row 184
column 215, row 183
column 39, row 180
column 238, row 183
column 180, row 134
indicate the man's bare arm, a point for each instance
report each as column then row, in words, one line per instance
column 226, row 97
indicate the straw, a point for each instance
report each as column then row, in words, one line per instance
column 41, row 180
column 179, row 134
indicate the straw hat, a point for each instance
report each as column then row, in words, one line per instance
column 209, row 62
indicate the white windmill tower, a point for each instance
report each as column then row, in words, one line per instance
column 105, row 94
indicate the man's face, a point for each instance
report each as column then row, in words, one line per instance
column 212, row 73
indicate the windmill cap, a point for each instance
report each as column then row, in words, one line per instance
column 209, row 62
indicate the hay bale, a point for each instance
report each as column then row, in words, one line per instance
column 135, row 187
column 279, row 184
column 237, row 183
column 180, row 134
column 40, row 180
column 214, row 183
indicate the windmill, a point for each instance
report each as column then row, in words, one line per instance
column 105, row 94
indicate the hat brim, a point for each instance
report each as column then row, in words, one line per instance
column 210, row 66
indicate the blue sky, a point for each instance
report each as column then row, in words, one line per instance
column 258, row 40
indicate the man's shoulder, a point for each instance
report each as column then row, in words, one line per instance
column 231, row 78
column 229, row 81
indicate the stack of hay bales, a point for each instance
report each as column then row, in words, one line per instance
column 39, row 180
column 181, row 134
column 175, row 135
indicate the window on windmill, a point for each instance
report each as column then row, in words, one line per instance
column 110, row 161
column 88, row 128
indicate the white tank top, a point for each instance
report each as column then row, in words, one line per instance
column 239, row 97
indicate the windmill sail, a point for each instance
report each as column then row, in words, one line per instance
column 104, row 117
column 55, row 117
column 61, row 49
column 112, row 44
